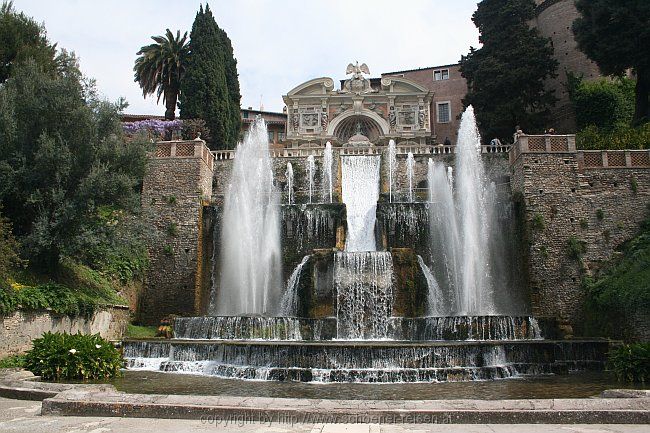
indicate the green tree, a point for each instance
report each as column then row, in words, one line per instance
column 602, row 103
column 160, row 68
column 62, row 160
column 210, row 90
column 22, row 38
column 8, row 250
column 505, row 77
column 616, row 35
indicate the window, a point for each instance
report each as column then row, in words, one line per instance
column 271, row 137
column 441, row 74
column 281, row 136
column 444, row 112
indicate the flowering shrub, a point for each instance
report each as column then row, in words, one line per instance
column 155, row 129
column 62, row 356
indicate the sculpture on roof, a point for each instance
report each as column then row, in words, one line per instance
column 357, row 83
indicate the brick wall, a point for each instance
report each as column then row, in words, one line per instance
column 173, row 190
column 554, row 20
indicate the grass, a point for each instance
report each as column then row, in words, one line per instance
column 12, row 361
column 135, row 331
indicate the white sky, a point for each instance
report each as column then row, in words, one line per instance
column 278, row 43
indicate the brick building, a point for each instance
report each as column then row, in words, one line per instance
column 553, row 19
column 276, row 124
column 448, row 88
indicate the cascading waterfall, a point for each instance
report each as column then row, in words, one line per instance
column 363, row 283
column 360, row 185
column 289, row 176
column 410, row 163
column 289, row 303
column 435, row 298
column 311, row 169
column 392, row 165
column 327, row 173
column 251, row 269
column 476, row 290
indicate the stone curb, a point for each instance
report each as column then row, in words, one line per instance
column 625, row 407
column 211, row 409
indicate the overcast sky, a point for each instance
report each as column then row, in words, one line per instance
column 278, row 43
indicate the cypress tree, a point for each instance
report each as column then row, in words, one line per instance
column 505, row 77
column 206, row 88
column 232, row 80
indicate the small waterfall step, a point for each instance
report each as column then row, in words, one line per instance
column 398, row 328
column 366, row 361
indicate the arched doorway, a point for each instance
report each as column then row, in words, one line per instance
column 357, row 124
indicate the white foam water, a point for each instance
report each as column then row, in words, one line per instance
column 360, row 187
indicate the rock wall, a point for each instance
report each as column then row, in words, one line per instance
column 177, row 182
column 19, row 329
column 576, row 215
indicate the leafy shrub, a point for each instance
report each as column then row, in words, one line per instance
column 600, row 214
column 537, row 223
column 621, row 137
column 603, row 103
column 631, row 362
column 576, row 248
column 62, row 356
column 56, row 297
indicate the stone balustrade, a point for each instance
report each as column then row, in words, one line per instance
column 586, row 158
column 184, row 149
column 221, row 155
column 613, row 158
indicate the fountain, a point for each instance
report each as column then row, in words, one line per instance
column 392, row 165
column 289, row 176
column 251, row 263
column 415, row 281
column 410, row 163
column 327, row 173
column 311, row 169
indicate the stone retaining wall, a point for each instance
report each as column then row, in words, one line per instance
column 568, row 202
column 19, row 329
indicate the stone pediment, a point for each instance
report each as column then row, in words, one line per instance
column 402, row 85
column 315, row 87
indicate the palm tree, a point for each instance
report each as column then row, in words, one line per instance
column 160, row 68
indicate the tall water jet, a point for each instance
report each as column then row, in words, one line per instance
column 251, row 270
column 289, row 176
column 410, row 164
column 392, row 165
column 476, row 296
column 311, row 169
column 443, row 229
column 327, row 172
column 360, row 187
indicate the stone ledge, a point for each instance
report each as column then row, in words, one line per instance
column 631, row 407
column 560, row 411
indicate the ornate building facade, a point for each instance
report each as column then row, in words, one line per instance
column 362, row 111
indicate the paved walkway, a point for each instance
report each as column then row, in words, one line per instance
column 24, row 416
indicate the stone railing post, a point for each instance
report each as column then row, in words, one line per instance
column 605, row 159
column 571, row 143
